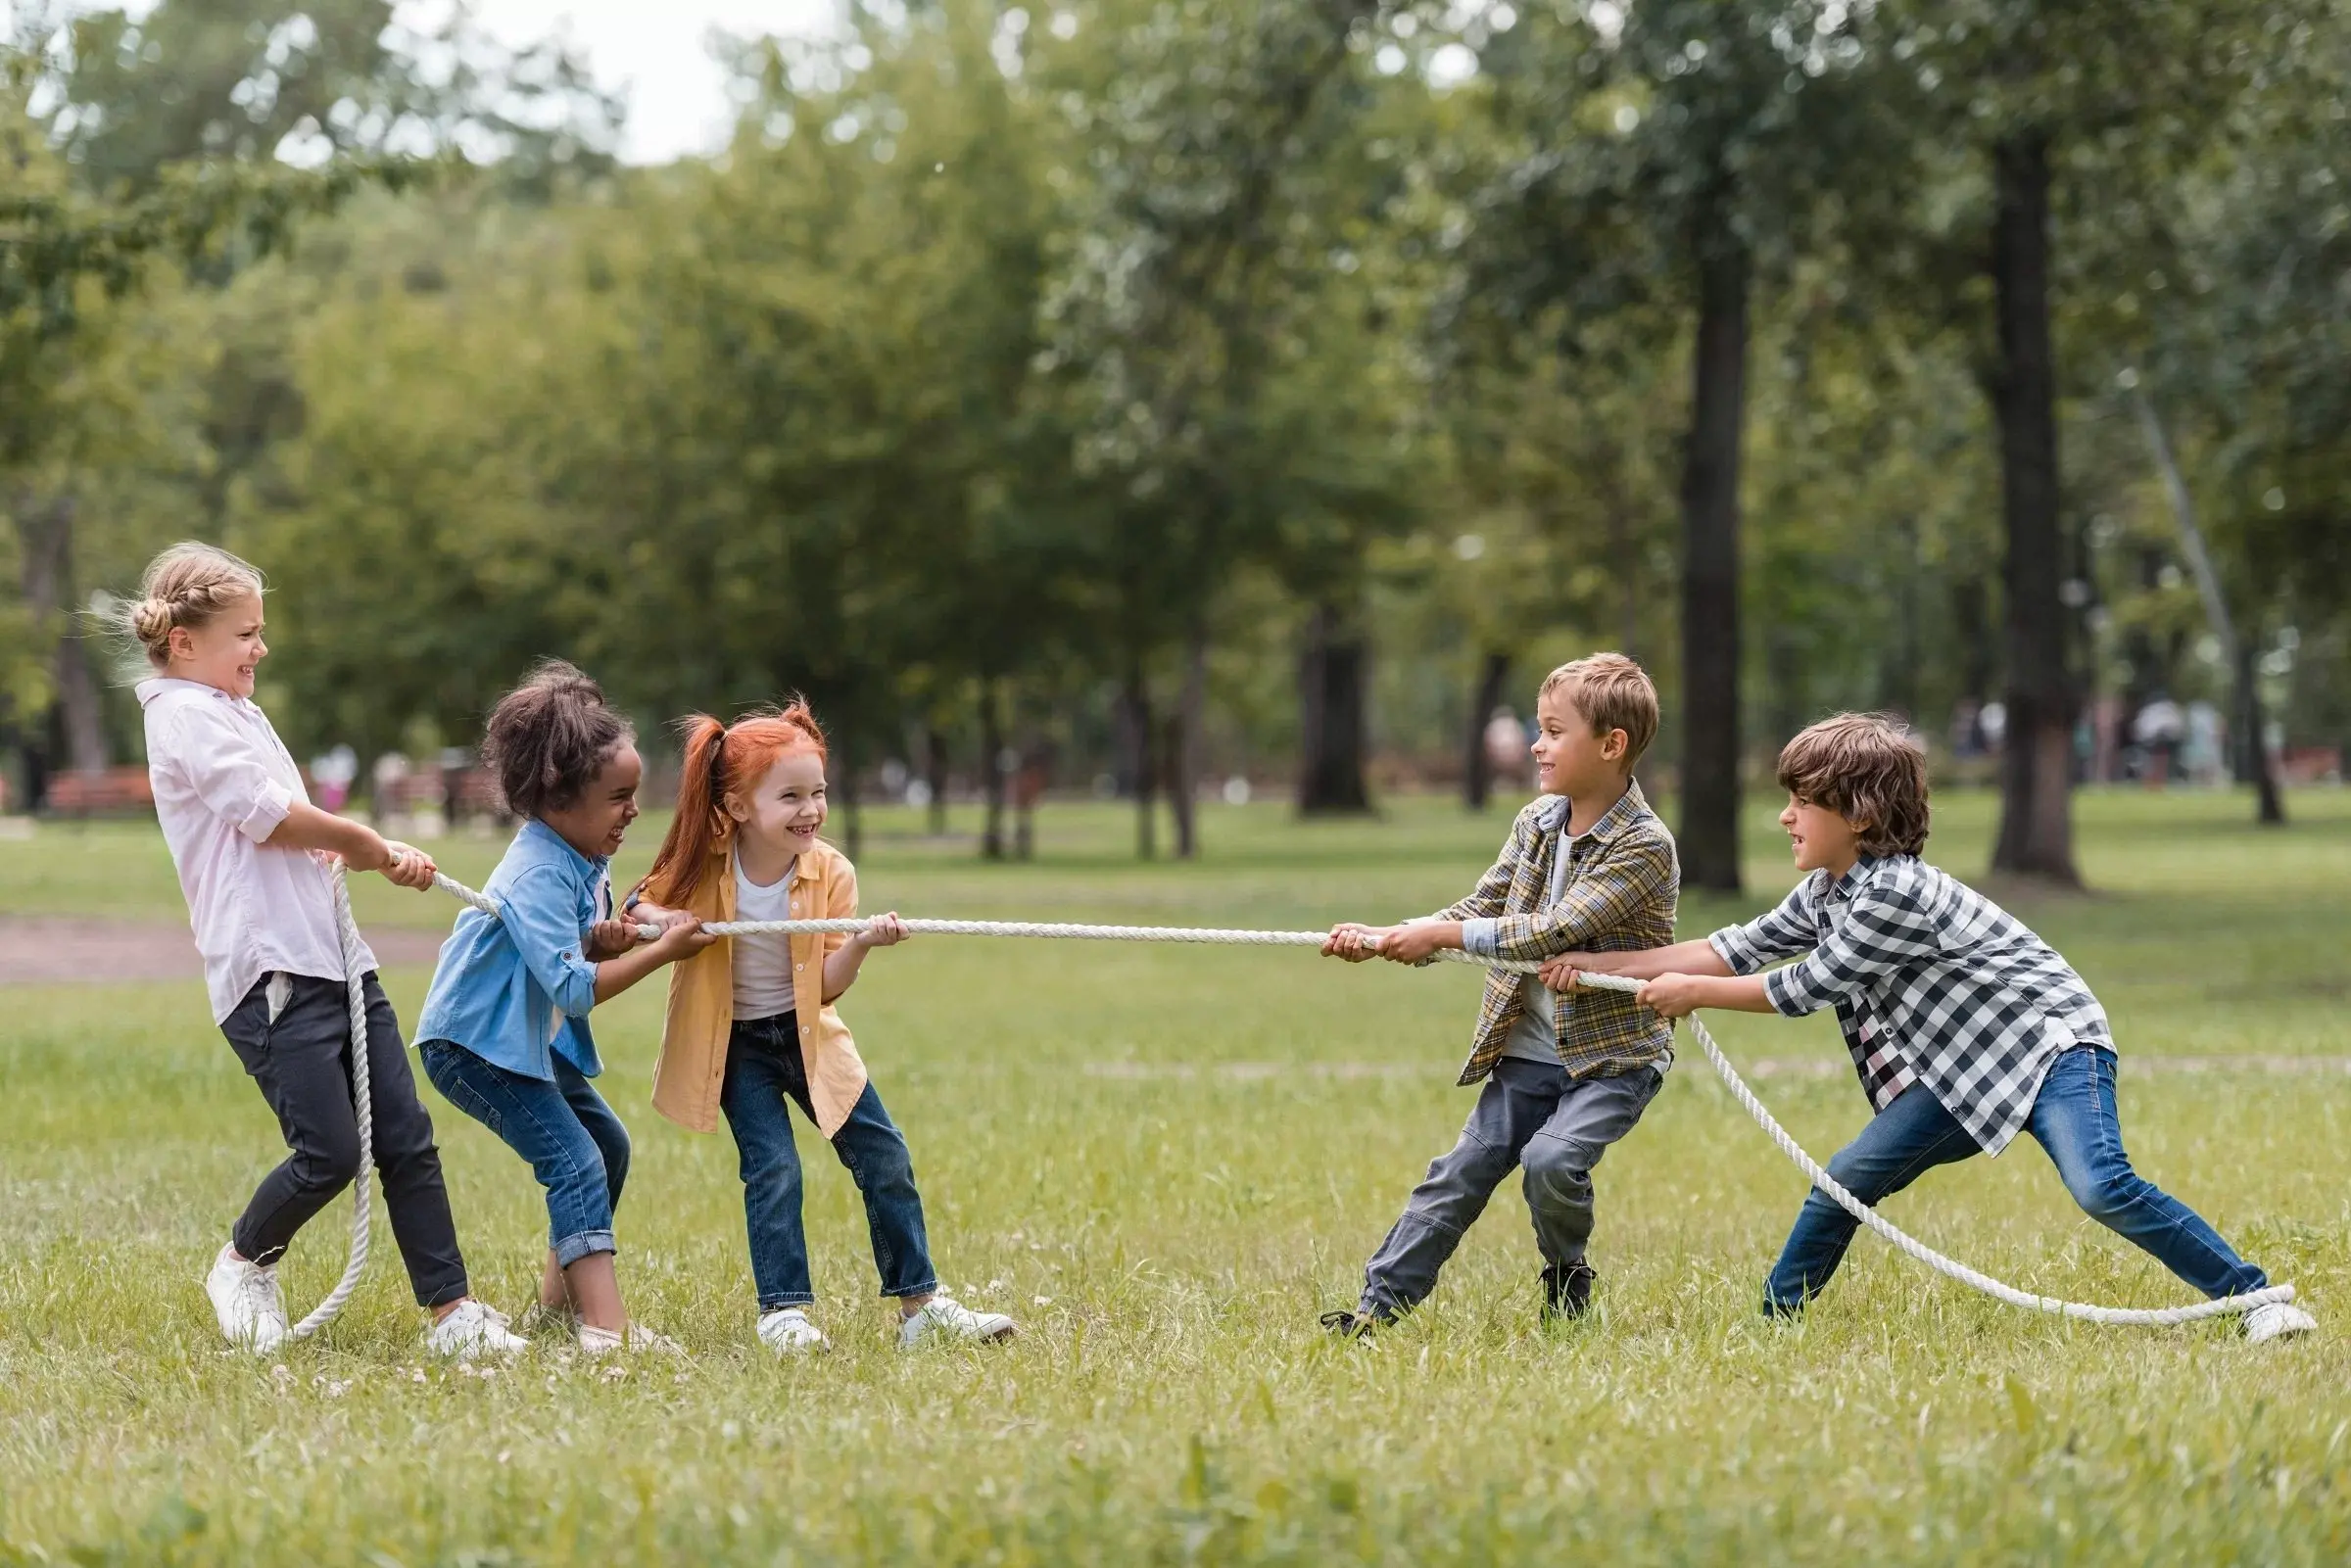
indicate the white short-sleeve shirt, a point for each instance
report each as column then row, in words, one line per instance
column 762, row 964
column 223, row 784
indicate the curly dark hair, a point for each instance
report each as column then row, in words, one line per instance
column 547, row 737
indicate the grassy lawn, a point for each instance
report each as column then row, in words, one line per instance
column 1166, row 1162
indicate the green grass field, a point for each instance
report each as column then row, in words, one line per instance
column 1166, row 1162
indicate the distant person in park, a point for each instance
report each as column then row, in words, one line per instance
column 1965, row 1028
column 753, row 1030
column 256, row 860
column 1587, row 866
column 504, row 1032
column 1506, row 747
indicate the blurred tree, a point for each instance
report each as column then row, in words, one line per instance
column 1664, row 158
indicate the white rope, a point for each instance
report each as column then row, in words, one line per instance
column 355, row 985
column 1909, row 1245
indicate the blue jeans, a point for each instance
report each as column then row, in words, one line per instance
column 576, row 1146
column 2073, row 1120
column 765, row 1077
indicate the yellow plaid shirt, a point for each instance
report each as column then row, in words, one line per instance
column 1621, row 883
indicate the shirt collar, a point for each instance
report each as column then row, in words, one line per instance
column 156, row 686
column 1845, row 887
column 551, row 841
column 1613, row 821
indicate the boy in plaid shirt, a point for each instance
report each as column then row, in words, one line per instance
column 1588, row 864
column 1965, row 1028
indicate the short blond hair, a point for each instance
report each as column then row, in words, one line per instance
column 1869, row 768
column 188, row 584
column 1611, row 692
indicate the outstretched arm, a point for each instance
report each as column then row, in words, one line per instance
column 1696, row 957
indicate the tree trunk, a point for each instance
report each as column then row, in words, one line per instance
column 2256, row 745
column 934, row 775
column 1330, row 741
column 2036, row 829
column 45, row 544
column 1182, row 748
column 1136, row 724
column 1477, row 770
column 852, row 817
column 2252, row 750
column 1710, row 749
column 991, row 769
column 1036, row 765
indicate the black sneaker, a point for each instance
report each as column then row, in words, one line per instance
column 1349, row 1325
column 1567, row 1290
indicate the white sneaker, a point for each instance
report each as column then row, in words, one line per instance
column 787, row 1331
column 943, row 1315
column 2275, row 1319
column 604, row 1342
column 474, row 1328
column 245, row 1299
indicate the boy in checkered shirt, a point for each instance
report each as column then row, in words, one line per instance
column 1965, row 1028
column 1587, row 865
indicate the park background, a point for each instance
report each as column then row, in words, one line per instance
column 1159, row 437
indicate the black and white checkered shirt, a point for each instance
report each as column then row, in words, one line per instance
column 1933, row 984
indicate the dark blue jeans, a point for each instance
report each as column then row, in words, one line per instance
column 2073, row 1120
column 765, row 1077
column 576, row 1146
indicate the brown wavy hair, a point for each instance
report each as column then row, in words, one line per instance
column 722, row 760
column 1868, row 768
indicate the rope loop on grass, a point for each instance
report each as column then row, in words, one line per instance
column 1909, row 1244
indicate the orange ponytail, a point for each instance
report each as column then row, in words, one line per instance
column 720, row 760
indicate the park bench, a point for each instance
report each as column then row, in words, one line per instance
column 103, row 793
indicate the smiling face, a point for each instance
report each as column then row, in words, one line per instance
column 599, row 820
column 785, row 811
column 1821, row 839
column 1569, row 759
column 223, row 651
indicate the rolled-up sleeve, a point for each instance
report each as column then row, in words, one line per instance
column 841, row 903
column 229, row 773
column 1782, row 933
column 1880, row 933
column 541, row 915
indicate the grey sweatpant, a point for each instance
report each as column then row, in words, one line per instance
column 1529, row 1113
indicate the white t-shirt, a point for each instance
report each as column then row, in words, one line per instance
column 223, row 784
column 762, row 964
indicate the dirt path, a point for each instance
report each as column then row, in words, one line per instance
column 114, row 951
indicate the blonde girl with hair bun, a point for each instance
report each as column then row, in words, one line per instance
column 256, row 862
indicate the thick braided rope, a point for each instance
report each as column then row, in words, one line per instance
column 1909, row 1245
column 363, row 1106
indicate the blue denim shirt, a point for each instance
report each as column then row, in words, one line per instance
column 514, row 989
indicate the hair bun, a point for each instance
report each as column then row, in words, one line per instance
column 151, row 621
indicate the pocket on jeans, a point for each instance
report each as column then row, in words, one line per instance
column 448, row 1076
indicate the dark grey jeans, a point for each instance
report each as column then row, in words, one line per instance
column 1528, row 1114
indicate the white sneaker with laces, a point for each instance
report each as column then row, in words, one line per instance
column 2275, row 1319
column 245, row 1299
column 787, row 1331
column 604, row 1342
column 943, row 1315
column 473, row 1328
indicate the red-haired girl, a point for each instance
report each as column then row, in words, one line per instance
column 752, row 1025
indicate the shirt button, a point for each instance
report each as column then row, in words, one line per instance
column 800, row 965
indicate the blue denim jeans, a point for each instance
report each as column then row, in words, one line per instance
column 2073, row 1120
column 576, row 1146
column 765, row 1077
